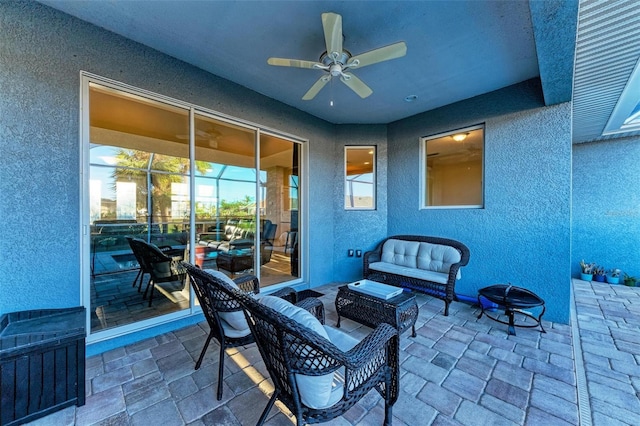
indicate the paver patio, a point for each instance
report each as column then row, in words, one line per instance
column 458, row 370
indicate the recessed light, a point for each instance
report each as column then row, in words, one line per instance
column 411, row 98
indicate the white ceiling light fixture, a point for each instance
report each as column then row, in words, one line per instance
column 459, row 137
column 337, row 62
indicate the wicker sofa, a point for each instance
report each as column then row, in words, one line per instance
column 426, row 264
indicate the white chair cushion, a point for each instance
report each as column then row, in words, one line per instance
column 437, row 257
column 234, row 323
column 315, row 391
column 436, row 277
column 400, row 252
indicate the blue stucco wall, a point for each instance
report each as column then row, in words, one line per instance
column 43, row 52
column 606, row 205
column 356, row 229
column 522, row 235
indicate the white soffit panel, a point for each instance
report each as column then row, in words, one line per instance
column 607, row 52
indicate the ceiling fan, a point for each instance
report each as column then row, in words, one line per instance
column 338, row 62
column 210, row 137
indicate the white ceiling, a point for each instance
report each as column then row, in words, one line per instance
column 455, row 49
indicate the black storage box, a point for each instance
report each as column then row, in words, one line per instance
column 42, row 363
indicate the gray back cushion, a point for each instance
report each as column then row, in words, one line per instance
column 400, row 252
column 436, row 257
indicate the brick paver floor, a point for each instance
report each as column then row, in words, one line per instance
column 458, row 370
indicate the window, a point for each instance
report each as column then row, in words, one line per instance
column 359, row 177
column 452, row 169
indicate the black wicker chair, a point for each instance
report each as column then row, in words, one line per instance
column 161, row 267
column 144, row 268
column 290, row 349
column 218, row 305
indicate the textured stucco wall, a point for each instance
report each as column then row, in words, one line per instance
column 43, row 52
column 606, row 205
column 358, row 229
column 522, row 235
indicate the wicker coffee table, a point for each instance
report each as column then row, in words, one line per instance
column 401, row 311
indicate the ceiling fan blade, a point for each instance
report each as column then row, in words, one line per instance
column 296, row 63
column 332, row 25
column 318, row 85
column 355, row 84
column 393, row 51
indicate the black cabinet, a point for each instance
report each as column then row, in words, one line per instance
column 42, row 363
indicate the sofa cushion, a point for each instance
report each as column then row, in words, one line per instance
column 437, row 257
column 315, row 391
column 436, row 277
column 400, row 252
column 234, row 323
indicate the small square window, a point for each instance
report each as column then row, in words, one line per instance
column 453, row 169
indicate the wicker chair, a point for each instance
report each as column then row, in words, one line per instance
column 291, row 350
column 219, row 308
column 161, row 267
column 144, row 268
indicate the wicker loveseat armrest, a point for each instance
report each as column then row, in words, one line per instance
column 371, row 257
column 314, row 306
column 248, row 284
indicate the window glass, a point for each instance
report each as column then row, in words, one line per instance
column 453, row 169
column 360, row 178
column 242, row 216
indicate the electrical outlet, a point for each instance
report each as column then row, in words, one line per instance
column 350, row 252
column 358, row 253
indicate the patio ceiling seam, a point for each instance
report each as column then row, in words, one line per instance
column 584, row 404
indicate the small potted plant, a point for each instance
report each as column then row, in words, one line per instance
column 629, row 280
column 586, row 270
column 599, row 273
column 613, row 277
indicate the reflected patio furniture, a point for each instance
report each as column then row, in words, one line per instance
column 319, row 377
column 144, row 267
column 224, row 315
column 162, row 266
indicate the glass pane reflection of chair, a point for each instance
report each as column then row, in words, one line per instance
column 159, row 265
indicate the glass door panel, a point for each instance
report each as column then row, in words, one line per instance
column 225, row 199
column 279, row 212
column 139, row 188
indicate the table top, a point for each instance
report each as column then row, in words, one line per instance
column 402, row 297
column 511, row 296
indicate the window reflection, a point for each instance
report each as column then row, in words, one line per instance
column 246, row 220
column 453, row 165
column 359, row 182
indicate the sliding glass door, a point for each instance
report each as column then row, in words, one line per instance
column 191, row 184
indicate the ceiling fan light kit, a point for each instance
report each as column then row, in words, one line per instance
column 336, row 61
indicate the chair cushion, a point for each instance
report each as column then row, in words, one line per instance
column 437, row 257
column 436, row 277
column 400, row 252
column 236, row 321
column 315, row 391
